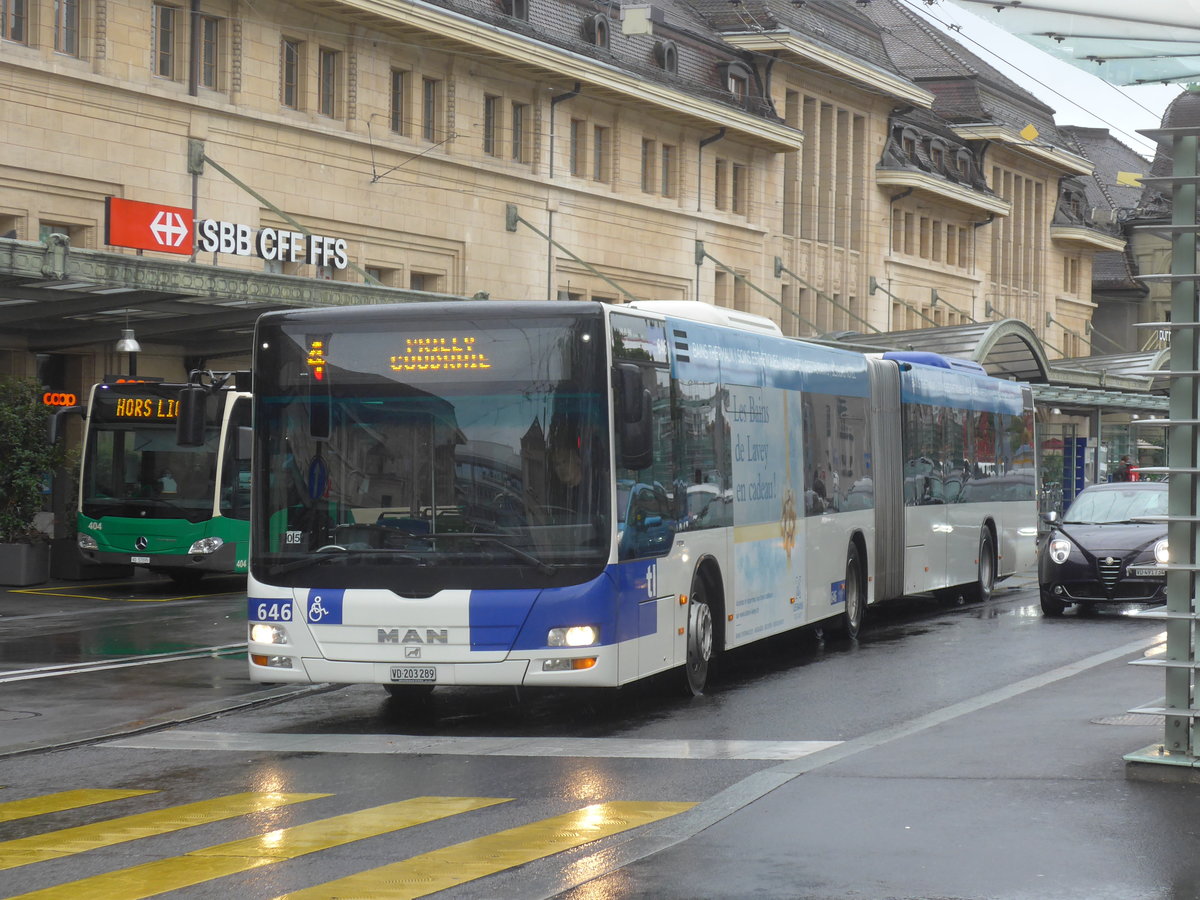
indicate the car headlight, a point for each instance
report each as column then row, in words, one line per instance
column 1162, row 555
column 206, row 545
column 1059, row 549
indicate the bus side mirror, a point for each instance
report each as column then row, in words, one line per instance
column 245, row 442
column 56, row 427
column 189, row 425
column 634, row 420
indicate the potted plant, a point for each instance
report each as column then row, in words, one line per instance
column 26, row 459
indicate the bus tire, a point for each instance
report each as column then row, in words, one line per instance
column 851, row 619
column 699, row 637
column 985, row 582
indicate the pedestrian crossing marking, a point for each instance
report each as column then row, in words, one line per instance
column 448, row 867
column 49, row 803
column 68, row 841
column 193, row 868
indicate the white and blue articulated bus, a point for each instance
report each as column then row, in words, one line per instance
column 561, row 494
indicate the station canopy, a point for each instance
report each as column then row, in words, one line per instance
column 1151, row 41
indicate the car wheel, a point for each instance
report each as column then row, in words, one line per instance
column 1052, row 606
column 699, row 635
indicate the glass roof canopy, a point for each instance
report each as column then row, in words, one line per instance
column 1148, row 42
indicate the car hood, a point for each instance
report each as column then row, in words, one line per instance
column 1116, row 539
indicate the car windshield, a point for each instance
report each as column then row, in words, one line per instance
column 1125, row 505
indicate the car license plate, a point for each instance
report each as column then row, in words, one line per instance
column 1146, row 571
column 417, row 674
column 135, row 560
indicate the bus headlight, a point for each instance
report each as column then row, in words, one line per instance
column 263, row 633
column 1059, row 549
column 575, row 636
column 1162, row 555
column 86, row 541
column 205, row 546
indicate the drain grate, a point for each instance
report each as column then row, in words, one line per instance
column 1129, row 719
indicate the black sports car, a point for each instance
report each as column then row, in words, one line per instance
column 1099, row 551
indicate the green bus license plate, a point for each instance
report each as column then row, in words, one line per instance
column 414, row 674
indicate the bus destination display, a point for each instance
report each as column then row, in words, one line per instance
column 440, row 354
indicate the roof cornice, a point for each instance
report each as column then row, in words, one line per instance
column 525, row 52
column 1057, row 157
column 856, row 70
column 943, row 190
column 1089, row 237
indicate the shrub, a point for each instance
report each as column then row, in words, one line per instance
column 26, row 457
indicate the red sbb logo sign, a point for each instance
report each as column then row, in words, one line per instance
column 148, row 226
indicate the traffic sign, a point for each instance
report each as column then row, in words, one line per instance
column 147, row 226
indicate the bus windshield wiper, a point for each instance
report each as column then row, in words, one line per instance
column 544, row 568
column 344, row 554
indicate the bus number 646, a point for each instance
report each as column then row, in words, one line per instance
column 274, row 612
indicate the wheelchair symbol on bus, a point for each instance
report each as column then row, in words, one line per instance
column 325, row 607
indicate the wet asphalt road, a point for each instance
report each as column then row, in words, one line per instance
column 952, row 752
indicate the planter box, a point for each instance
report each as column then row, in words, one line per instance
column 22, row 564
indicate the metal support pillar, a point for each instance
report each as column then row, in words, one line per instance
column 1178, row 753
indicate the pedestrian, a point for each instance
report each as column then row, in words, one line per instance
column 1124, row 471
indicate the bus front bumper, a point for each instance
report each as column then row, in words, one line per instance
column 223, row 560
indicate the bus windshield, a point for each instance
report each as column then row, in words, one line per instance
column 420, row 454
column 133, row 466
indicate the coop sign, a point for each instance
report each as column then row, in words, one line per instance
column 215, row 236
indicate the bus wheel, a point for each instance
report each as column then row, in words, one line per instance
column 985, row 584
column 699, row 640
column 856, row 595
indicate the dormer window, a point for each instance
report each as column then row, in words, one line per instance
column 518, row 9
column 666, row 54
column 596, row 30
column 737, row 77
column 963, row 165
column 937, row 155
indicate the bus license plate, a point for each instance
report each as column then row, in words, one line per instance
column 1146, row 571
column 144, row 560
column 414, row 674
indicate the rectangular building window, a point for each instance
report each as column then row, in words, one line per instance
column 398, row 106
column 327, row 89
column 600, row 153
column 289, row 65
column 66, row 26
column 649, row 164
column 721, row 184
column 424, row 281
column 491, row 125
column 739, row 200
column 520, row 132
column 431, row 108
column 15, row 14
column 210, row 51
column 578, row 147
column 666, row 170
column 162, row 35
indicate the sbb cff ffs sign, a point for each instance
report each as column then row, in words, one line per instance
column 147, row 226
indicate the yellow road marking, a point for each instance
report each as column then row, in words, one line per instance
column 37, row 806
column 460, row 863
column 57, row 844
column 62, row 592
column 243, row 855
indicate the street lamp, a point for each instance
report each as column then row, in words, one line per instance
column 129, row 344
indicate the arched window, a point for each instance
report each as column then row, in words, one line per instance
column 596, row 30
column 666, row 54
column 737, row 78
